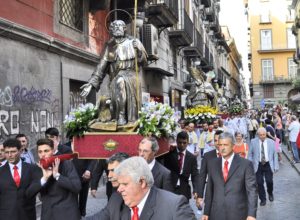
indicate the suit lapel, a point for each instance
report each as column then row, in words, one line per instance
column 234, row 165
column 24, row 173
column 148, row 210
column 125, row 213
column 155, row 170
column 219, row 168
column 9, row 175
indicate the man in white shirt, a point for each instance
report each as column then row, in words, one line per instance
column 148, row 147
column 294, row 129
column 26, row 154
column 140, row 199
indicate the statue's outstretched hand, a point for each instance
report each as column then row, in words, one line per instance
column 86, row 89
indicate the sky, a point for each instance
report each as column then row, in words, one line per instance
column 232, row 14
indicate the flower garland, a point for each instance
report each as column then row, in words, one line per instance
column 156, row 119
column 77, row 121
column 200, row 114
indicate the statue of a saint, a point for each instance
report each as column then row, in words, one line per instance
column 118, row 61
column 201, row 92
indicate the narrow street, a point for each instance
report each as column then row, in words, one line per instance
column 286, row 195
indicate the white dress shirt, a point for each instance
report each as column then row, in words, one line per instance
column 19, row 165
column 151, row 164
column 141, row 204
column 265, row 150
column 229, row 161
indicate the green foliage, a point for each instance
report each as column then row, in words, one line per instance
column 77, row 121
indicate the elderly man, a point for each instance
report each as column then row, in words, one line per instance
column 148, row 147
column 140, row 199
column 264, row 157
column 118, row 61
column 231, row 190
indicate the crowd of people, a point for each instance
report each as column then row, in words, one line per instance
column 222, row 165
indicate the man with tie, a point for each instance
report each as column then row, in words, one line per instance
column 2, row 156
column 207, row 158
column 231, row 189
column 183, row 165
column 148, row 147
column 264, row 157
column 16, row 201
column 140, row 200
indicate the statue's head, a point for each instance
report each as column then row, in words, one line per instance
column 118, row 28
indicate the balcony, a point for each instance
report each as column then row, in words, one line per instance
column 277, row 79
column 183, row 34
column 210, row 65
column 206, row 3
column 205, row 59
column 215, row 26
column 163, row 13
column 210, row 14
column 196, row 50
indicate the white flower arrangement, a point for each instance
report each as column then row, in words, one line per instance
column 157, row 119
column 76, row 122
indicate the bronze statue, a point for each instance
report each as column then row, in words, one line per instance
column 118, row 60
column 201, row 92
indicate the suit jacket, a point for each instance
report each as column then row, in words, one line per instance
column 16, row 203
column 81, row 165
column 63, row 149
column 207, row 158
column 234, row 199
column 254, row 154
column 160, row 204
column 189, row 169
column 59, row 197
column 162, row 177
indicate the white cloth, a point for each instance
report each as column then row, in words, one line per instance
column 294, row 128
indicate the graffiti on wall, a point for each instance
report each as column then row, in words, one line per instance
column 25, row 109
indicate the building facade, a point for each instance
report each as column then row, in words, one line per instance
column 271, row 50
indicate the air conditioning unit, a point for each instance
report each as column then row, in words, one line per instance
column 150, row 41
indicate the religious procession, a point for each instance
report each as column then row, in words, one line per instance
column 145, row 110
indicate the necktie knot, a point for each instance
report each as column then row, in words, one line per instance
column 15, row 167
column 226, row 162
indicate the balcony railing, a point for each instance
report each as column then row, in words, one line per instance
column 182, row 35
column 277, row 79
column 163, row 13
column 196, row 50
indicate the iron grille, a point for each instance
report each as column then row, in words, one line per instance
column 71, row 13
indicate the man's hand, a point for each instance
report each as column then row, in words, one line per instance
column 86, row 175
column 250, row 218
column 93, row 193
column 86, row 89
column 205, row 217
column 55, row 166
column 46, row 173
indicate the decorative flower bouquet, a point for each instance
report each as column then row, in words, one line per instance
column 200, row 114
column 156, row 119
column 77, row 121
column 236, row 108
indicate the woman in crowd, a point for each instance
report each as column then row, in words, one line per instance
column 240, row 147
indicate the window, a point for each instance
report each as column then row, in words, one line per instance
column 291, row 40
column 267, row 70
column 71, row 19
column 292, row 68
column 265, row 16
column 268, row 91
column 266, row 39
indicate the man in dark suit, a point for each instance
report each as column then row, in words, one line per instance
column 2, row 156
column 59, row 186
column 140, row 199
column 264, row 157
column 183, row 165
column 16, row 203
column 148, row 147
column 207, row 158
column 231, row 189
column 109, row 167
column 53, row 134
